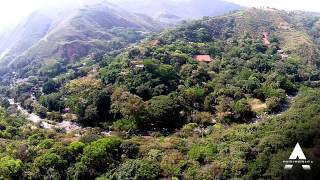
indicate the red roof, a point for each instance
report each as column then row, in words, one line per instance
column 203, row 58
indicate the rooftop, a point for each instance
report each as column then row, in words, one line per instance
column 203, row 58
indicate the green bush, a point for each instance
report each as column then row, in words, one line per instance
column 203, row 153
column 98, row 157
column 138, row 169
column 125, row 124
column 148, row 170
column 76, row 148
column 273, row 103
column 55, row 116
column 10, row 168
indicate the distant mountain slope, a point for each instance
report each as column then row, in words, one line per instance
column 294, row 36
column 310, row 21
column 177, row 10
column 27, row 33
column 3, row 34
column 73, row 32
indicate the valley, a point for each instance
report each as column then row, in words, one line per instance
column 107, row 93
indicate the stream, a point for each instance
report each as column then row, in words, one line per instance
column 47, row 124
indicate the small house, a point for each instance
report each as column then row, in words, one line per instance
column 137, row 64
column 202, row 58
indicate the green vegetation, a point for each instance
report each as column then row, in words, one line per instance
column 242, row 151
column 169, row 115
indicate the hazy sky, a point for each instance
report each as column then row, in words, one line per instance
column 11, row 11
column 306, row 5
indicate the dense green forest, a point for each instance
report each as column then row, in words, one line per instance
column 239, row 151
column 154, row 111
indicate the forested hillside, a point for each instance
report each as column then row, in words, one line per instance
column 77, row 29
column 70, row 33
column 224, row 97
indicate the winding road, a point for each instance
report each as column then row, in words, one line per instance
column 67, row 125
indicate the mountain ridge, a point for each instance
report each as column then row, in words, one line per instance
column 212, row 98
column 293, row 36
column 39, row 36
column 80, row 25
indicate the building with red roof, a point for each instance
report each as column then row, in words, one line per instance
column 203, row 58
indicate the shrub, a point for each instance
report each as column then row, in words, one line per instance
column 138, row 169
column 129, row 148
column 55, row 116
column 273, row 103
column 203, row 153
column 10, row 168
column 172, row 163
column 90, row 135
column 125, row 124
column 128, row 170
column 76, row 147
column 242, row 110
column 203, row 118
column 98, row 157
column 187, row 130
column 45, row 144
column 148, row 170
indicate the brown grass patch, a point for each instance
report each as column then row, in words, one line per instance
column 257, row 105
